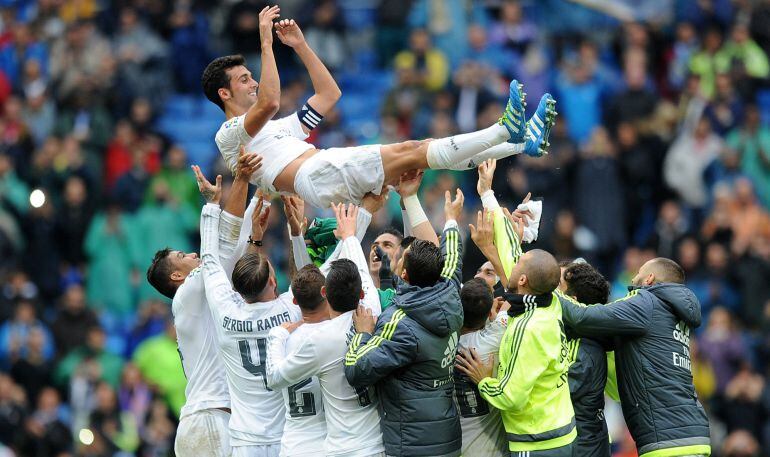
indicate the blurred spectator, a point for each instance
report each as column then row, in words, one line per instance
column 81, row 61
column 749, row 219
column 12, row 411
column 720, row 281
column 753, row 273
column 92, row 357
column 740, row 444
column 87, row 122
column 512, row 32
column 39, row 111
column 16, row 287
column 599, row 204
column 687, row 159
column 404, row 100
column 117, row 428
column 141, row 56
column 671, row 226
column 189, row 45
column 704, row 63
column 470, row 84
column 134, row 396
column 635, row 102
column 324, row 32
column 680, row 53
column 74, row 216
column 390, row 35
column 242, row 27
column 15, row 138
column 726, row 109
column 703, row 376
column 746, row 403
column 752, row 143
column 151, row 320
column 580, row 97
column 158, row 436
column 721, row 345
column 176, row 176
column 158, row 360
column 15, row 335
column 73, row 321
column 429, row 64
column 23, row 48
column 108, row 247
column 46, row 431
column 131, row 187
column 447, row 23
column 33, row 370
column 743, row 59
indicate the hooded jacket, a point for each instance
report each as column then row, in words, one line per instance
column 651, row 329
column 410, row 359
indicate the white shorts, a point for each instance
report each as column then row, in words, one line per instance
column 340, row 175
column 204, row 432
column 257, row 450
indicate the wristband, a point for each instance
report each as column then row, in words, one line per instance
column 257, row 243
column 414, row 210
column 489, row 201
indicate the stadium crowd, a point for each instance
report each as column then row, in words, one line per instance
column 661, row 148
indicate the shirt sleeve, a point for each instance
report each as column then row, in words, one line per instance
column 218, row 289
column 230, row 137
column 229, row 232
column 507, row 241
column 452, row 250
column 517, row 371
column 351, row 249
column 245, row 231
column 299, row 249
column 284, row 369
column 373, row 357
column 628, row 316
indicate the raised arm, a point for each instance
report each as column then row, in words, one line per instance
column 483, row 235
column 451, row 241
column 628, row 316
column 269, row 92
column 326, row 90
column 284, row 369
column 418, row 224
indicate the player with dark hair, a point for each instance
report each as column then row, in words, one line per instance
column 321, row 177
column 409, row 352
column 588, row 362
column 352, row 422
column 177, row 275
column 651, row 331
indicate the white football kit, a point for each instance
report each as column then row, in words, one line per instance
column 482, row 425
column 330, row 176
column 203, row 428
column 352, row 420
column 257, row 419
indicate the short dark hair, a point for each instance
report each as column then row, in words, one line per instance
column 250, row 275
column 392, row 231
column 586, row 284
column 543, row 272
column 215, row 77
column 476, row 297
column 407, row 241
column 423, row 263
column 159, row 273
column 666, row 270
column 306, row 287
column 343, row 286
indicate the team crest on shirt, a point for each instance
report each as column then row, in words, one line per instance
column 231, row 123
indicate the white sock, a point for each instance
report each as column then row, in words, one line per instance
column 445, row 152
column 500, row 151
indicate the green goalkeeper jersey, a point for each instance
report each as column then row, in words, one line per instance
column 531, row 388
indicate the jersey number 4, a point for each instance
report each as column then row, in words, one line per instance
column 298, row 407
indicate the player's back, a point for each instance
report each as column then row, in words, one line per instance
column 482, row 426
column 352, row 419
column 196, row 341
column 242, row 328
column 305, row 427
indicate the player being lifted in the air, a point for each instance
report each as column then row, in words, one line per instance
column 321, row 177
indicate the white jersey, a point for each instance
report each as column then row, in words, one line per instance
column 352, row 420
column 195, row 333
column 257, row 412
column 305, row 425
column 482, row 425
column 279, row 142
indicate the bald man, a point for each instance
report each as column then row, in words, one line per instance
column 651, row 332
column 530, row 386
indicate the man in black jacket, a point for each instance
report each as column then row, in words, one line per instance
column 651, row 329
column 409, row 354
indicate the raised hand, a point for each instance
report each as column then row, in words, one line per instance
column 453, row 209
column 266, row 17
column 483, row 233
column 259, row 220
column 247, row 164
column 346, row 220
column 211, row 193
column 363, row 321
column 410, row 182
column 517, row 221
column 486, row 173
column 291, row 326
column 289, row 33
column 294, row 207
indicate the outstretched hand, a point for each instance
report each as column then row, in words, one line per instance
column 453, row 209
column 266, row 17
column 247, row 164
column 289, row 33
column 483, row 233
column 409, row 183
column 470, row 363
column 294, row 207
column 212, row 193
column 259, row 220
column 346, row 220
column 486, row 174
